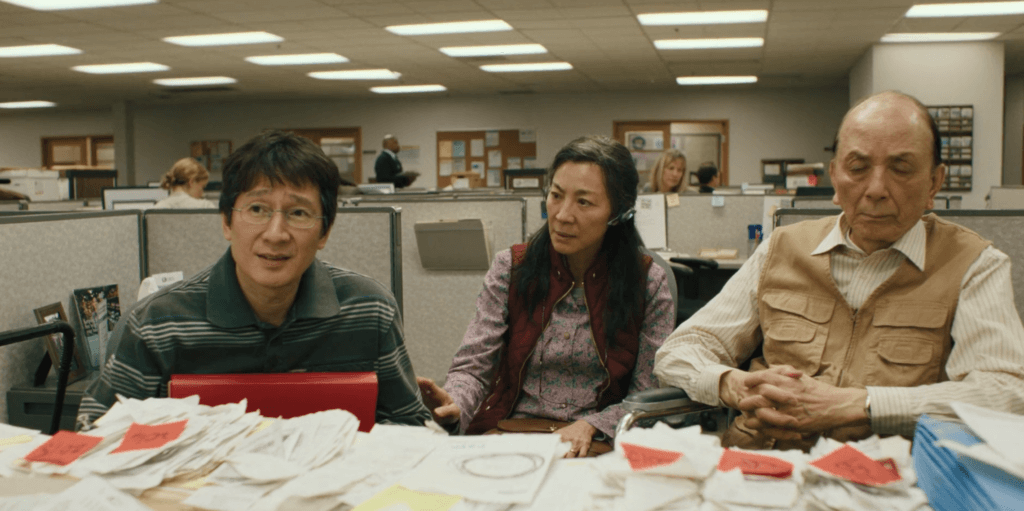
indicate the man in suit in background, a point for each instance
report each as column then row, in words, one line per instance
column 388, row 168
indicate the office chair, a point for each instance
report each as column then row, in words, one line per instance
column 696, row 286
column 26, row 334
column 671, row 405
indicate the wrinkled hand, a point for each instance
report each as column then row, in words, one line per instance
column 789, row 409
column 440, row 403
column 579, row 434
column 737, row 385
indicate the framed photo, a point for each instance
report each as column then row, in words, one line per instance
column 55, row 342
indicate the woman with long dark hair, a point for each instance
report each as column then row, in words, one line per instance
column 568, row 324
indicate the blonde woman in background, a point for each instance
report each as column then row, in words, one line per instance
column 186, row 181
column 668, row 174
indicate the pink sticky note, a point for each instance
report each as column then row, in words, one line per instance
column 141, row 436
column 755, row 464
column 643, row 458
column 853, row 465
column 63, row 448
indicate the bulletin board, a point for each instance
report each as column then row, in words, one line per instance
column 212, row 154
column 482, row 156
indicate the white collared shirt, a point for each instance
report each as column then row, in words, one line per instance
column 985, row 367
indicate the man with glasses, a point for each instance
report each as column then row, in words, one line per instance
column 268, row 305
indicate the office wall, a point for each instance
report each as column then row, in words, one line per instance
column 21, row 132
column 1013, row 130
column 764, row 123
column 923, row 70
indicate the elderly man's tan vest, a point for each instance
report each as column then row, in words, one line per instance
column 900, row 336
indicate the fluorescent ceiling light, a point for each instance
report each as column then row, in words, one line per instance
column 938, row 37
column 500, row 49
column 59, row 5
column 224, row 39
column 400, row 89
column 27, row 104
column 37, row 50
column 703, row 18
column 356, row 74
column 454, row 27
column 714, row 80
column 698, row 44
column 199, row 80
column 297, row 59
column 957, row 10
column 131, row 67
column 524, row 68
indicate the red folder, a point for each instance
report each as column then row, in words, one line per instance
column 285, row 394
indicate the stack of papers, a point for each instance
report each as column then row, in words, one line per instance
column 977, row 465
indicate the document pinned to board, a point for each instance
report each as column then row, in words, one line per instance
column 650, row 220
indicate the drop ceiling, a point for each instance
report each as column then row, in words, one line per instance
column 807, row 43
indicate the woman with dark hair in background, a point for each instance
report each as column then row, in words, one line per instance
column 568, row 324
column 186, row 181
column 707, row 174
column 668, row 174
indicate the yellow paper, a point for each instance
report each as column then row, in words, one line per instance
column 414, row 500
column 444, row 149
column 15, row 440
column 672, row 200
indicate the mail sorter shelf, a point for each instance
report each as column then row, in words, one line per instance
column 32, row 407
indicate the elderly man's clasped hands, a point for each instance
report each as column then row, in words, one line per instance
column 785, row 404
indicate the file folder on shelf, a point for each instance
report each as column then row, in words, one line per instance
column 285, row 395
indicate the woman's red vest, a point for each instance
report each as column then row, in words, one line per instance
column 525, row 329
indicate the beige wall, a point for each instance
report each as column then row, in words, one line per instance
column 764, row 123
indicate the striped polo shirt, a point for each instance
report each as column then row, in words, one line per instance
column 340, row 321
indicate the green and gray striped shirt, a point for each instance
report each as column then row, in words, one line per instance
column 340, row 321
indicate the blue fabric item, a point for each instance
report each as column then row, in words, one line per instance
column 953, row 482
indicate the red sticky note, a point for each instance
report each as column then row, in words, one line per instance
column 643, row 458
column 755, row 464
column 141, row 436
column 63, row 448
column 853, row 465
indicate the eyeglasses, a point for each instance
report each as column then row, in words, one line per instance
column 260, row 214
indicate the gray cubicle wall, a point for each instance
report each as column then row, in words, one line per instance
column 941, row 202
column 440, row 304
column 364, row 240
column 696, row 224
column 47, row 256
column 534, row 220
column 1002, row 227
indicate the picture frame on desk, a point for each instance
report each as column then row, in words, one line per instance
column 55, row 342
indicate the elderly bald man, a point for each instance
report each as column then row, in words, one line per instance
column 865, row 320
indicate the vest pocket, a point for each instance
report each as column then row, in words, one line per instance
column 795, row 328
column 906, row 361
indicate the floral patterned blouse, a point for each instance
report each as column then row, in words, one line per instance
column 564, row 374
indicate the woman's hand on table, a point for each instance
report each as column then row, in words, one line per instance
column 440, row 403
column 579, row 434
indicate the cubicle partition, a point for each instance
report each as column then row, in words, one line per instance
column 1006, row 197
column 364, row 240
column 697, row 223
column 439, row 304
column 47, row 256
column 1001, row 227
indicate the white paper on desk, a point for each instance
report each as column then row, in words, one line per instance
column 23, row 502
column 733, row 488
column 1000, row 430
column 649, row 492
column 223, row 498
column 8, row 431
column 491, row 468
column 700, row 453
column 386, row 455
column 650, row 220
column 568, row 487
column 92, row 494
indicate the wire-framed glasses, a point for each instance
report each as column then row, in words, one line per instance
column 260, row 214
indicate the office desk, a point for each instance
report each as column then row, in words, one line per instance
column 170, row 496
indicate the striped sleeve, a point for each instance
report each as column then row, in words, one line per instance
column 986, row 365
column 130, row 371
column 398, row 395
